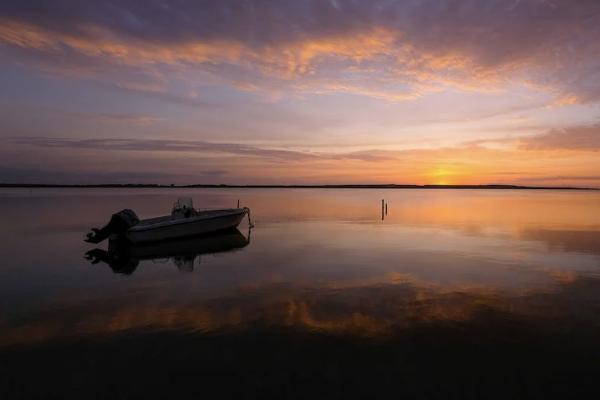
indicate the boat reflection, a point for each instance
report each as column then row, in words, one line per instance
column 124, row 257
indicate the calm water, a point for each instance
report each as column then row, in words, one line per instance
column 455, row 294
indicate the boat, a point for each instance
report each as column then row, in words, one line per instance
column 124, row 257
column 167, row 227
column 184, row 221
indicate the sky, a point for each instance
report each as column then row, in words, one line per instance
column 300, row 91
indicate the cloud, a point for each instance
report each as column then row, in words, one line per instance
column 186, row 161
column 132, row 118
column 580, row 138
column 586, row 137
column 46, row 175
column 563, row 178
column 160, row 145
column 393, row 50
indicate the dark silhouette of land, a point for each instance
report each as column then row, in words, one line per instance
column 350, row 186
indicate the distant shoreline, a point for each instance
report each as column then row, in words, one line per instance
column 366, row 186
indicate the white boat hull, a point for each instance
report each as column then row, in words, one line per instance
column 165, row 228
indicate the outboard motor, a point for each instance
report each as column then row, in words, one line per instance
column 118, row 225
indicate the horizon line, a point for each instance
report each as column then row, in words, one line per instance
column 292, row 186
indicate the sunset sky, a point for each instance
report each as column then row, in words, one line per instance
column 300, row 92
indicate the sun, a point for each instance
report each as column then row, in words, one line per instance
column 440, row 176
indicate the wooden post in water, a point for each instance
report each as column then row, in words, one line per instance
column 385, row 208
column 382, row 209
column 238, row 204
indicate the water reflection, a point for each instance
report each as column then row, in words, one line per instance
column 124, row 257
column 452, row 293
column 571, row 241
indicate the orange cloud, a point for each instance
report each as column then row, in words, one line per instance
column 370, row 62
column 96, row 41
column 365, row 48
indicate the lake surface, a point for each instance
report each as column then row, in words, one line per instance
column 453, row 294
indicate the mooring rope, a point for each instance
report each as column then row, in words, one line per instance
column 249, row 217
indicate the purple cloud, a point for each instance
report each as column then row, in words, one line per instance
column 160, row 145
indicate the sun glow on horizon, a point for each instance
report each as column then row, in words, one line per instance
column 441, row 176
column 350, row 94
